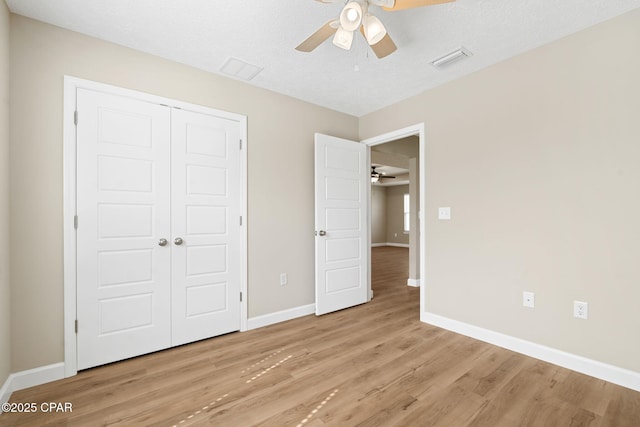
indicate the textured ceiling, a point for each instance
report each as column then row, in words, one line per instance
column 205, row 33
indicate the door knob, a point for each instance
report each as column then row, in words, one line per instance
column 162, row 242
column 178, row 241
column 322, row 233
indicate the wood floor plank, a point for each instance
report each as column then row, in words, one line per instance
column 623, row 408
column 379, row 403
column 493, row 370
column 371, row 365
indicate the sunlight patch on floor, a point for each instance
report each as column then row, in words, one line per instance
column 317, row 408
column 255, row 377
column 263, row 360
column 275, row 365
column 199, row 411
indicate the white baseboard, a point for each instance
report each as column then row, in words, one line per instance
column 415, row 283
column 280, row 316
column 594, row 368
column 31, row 378
column 5, row 391
column 397, row 245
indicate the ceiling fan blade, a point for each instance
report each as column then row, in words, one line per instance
column 316, row 39
column 384, row 47
column 410, row 4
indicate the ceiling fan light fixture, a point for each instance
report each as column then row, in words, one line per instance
column 351, row 16
column 343, row 38
column 374, row 31
column 375, row 179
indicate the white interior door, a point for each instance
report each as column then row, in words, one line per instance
column 206, row 202
column 123, row 208
column 342, row 247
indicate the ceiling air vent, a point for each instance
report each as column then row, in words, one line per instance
column 451, row 58
column 239, row 69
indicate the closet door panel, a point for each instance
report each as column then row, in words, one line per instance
column 206, row 218
column 123, row 207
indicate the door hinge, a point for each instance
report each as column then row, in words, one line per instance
column 76, row 326
column 240, row 296
column 75, row 222
column 240, row 220
column 241, row 144
column 75, row 117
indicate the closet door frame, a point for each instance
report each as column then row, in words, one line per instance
column 71, row 86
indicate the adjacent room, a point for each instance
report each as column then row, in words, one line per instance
column 319, row 213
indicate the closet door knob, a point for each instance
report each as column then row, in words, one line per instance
column 178, row 241
column 162, row 242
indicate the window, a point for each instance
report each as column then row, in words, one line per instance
column 406, row 213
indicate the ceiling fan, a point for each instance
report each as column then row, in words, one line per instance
column 377, row 176
column 355, row 16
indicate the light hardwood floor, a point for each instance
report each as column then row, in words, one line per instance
column 371, row 365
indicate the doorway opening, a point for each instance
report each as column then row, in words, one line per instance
column 396, row 223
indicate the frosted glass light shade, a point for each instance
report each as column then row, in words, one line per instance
column 351, row 16
column 343, row 38
column 374, row 31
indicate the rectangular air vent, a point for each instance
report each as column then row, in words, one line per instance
column 239, row 69
column 451, row 57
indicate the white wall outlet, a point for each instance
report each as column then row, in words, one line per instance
column 444, row 213
column 580, row 309
column 283, row 279
column 528, row 299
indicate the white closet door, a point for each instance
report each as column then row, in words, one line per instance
column 205, row 215
column 123, row 206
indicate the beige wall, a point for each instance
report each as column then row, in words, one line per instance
column 387, row 216
column 539, row 159
column 281, row 129
column 395, row 214
column 378, row 214
column 414, row 219
column 5, row 331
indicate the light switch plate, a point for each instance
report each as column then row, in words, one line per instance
column 444, row 213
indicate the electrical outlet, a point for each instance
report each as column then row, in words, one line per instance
column 580, row 309
column 528, row 299
column 283, row 279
